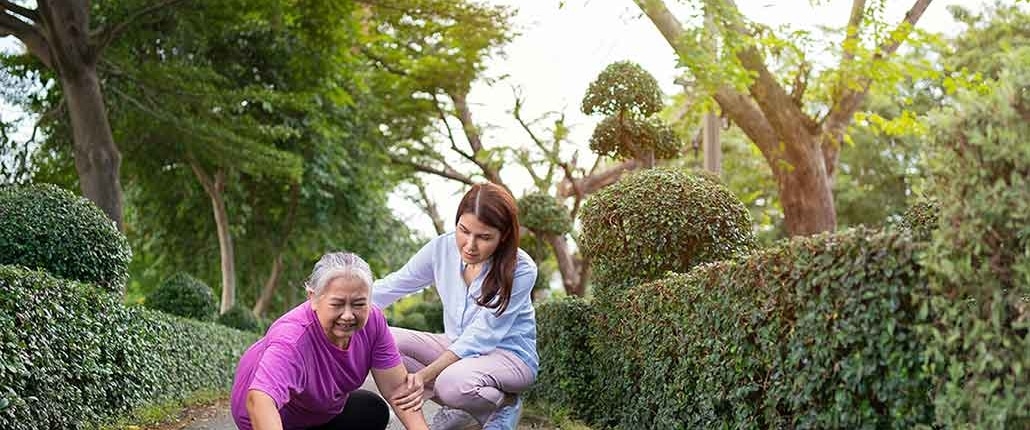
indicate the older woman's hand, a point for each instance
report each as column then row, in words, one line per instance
column 409, row 395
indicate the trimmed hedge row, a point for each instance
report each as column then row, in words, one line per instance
column 814, row 333
column 72, row 356
column 566, row 370
column 46, row 227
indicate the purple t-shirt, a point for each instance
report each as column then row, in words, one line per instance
column 308, row 377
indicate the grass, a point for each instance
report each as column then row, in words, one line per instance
column 165, row 412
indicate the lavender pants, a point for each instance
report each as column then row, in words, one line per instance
column 477, row 385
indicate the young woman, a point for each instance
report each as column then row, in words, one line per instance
column 306, row 372
column 487, row 355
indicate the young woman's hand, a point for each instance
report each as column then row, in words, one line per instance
column 409, row 395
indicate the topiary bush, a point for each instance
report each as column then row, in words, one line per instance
column 543, row 213
column 240, row 318
column 185, row 296
column 818, row 332
column 45, row 227
column 566, row 378
column 660, row 220
column 72, row 356
column 979, row 258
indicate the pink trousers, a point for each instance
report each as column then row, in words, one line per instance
column 477, row 385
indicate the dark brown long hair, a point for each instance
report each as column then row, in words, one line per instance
column 495, row 207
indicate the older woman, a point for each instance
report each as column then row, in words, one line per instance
column 306, row 372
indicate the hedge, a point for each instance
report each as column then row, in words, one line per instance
column 817, row 332
column 566, row 378
column 45, row 227
column 72, row 356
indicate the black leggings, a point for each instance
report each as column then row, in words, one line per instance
column 364, row 410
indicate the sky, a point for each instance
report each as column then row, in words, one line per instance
column 565, row 44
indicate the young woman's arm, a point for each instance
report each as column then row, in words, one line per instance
column 262, row 411
column 394, row 381
column 430, row 372
column 416, row 275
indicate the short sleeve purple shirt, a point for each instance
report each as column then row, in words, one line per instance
column 307, row 376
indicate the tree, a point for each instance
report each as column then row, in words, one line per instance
column 799, row 134
column 61, row 36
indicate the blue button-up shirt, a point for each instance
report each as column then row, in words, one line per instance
column 473, row 329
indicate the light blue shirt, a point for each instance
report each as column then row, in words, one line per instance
column 473, row 329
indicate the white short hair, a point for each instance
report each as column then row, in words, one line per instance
column 336, row 265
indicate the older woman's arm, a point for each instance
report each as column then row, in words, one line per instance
column 394, row 381
column 262, row 411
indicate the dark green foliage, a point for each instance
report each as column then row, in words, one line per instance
column 609, row 137
column 566, row 368
column 543, row 213
column 979, row 259
column 72, row 356
column 623, row 87
column 661, row 220
column 185, row 296
column 920, row 219
column 424, row 316
column 240, row 318
column 45, row 227
column 818, row 332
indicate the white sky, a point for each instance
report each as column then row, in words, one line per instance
column 562, row 49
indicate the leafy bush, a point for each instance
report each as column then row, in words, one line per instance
column 49, row 228
column 415, row 313
column 240, row 318
column 979, row 260
column 818, row 332
column 661, row 220
column 72, row 356
column 185, row 296
column 543, row 213
column 921, row 219
column 566, row 369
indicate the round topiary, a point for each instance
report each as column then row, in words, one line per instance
column 240, row 318
column 623, row 86
column 660, row 220
column 542, row 213
column 185, row 296
column 612, row 134
column 46, row 227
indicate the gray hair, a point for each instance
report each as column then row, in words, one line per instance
column 335, row 265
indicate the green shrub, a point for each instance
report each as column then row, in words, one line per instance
column 49, row 228
column 818, row 332
column 979, row 259
column 240, row 318
column 72, row 356
column 185, row 296
column 661, row 220
column 543, row 213
column 566, row 369
column 424, row 316
column 920, row 219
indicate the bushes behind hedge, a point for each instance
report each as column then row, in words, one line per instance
column 815, row 333
column 45, row 227
column 72, row 356
column 185, row 296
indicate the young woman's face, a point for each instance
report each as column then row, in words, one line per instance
column 476, row 241
column 342, row 309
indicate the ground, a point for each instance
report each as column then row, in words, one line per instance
column 215, row 416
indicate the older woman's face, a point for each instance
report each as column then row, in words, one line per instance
column 342, row 309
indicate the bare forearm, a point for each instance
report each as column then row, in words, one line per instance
column 430, row 372
column 412, row 419
column 262, row 411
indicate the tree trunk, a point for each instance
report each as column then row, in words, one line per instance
column 710, row 143
column 97, row 159
column 214, row 186
column 806, row 194
column 571, row 277
column 277, row 265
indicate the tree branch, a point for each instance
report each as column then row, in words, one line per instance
column 448, row 173
column 11, row 25
column 450, row 132
column 103, row 37
column 596, row 181
column 472, row 133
